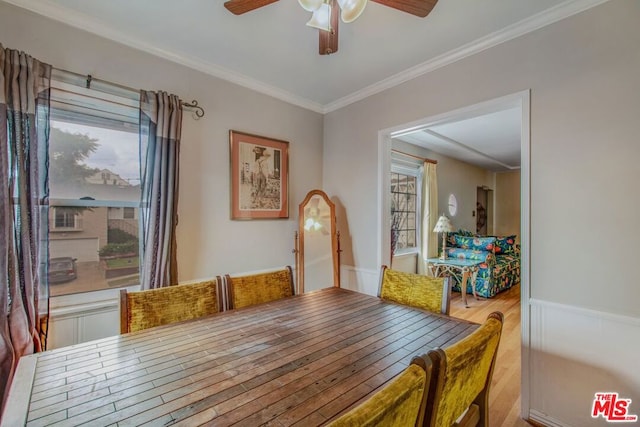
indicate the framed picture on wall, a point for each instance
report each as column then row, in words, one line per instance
column 259, row 176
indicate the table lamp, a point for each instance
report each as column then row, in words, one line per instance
column 443, row 226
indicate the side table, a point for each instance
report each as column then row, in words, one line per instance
column 459, row 268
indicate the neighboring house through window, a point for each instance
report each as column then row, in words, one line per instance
column 128, row 213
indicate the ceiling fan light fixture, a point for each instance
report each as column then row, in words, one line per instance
column 310, row 5
column 321, row 18
column 351, row 9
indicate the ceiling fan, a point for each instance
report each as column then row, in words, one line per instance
column 325, row 14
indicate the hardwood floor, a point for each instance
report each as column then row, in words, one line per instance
column 504, row 396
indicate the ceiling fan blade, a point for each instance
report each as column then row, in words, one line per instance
column 419, row 8
column 238, row 7
column 329, row 39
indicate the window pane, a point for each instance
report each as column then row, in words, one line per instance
column 128, row 213
column 411, row 220
column 66, row 219
column 91, row 163
column 411, row 238
column 411, row 203
column 94, row 191
column 395, row 206
column 404, row 207
column 411, row 183
column 402, row 240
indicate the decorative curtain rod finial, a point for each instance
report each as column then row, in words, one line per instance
column 199, row 111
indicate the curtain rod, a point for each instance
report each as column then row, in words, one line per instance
column 424, row 159
column 199, row 111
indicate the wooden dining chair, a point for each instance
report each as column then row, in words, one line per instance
column 461, row 378
column 401, row 403
column 415, row 290
column 260, row 287
column 145, row 309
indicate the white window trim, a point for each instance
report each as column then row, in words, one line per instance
column 93, row 203
column 77, row 222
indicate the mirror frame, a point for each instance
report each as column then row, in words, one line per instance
column 334, row 240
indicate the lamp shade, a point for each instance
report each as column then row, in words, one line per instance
column 351, row 9
column 310, row 5
column 443, row 225
column 321, row 18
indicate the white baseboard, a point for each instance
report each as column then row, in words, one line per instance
column 545, row 419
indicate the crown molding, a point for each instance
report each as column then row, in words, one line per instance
column 530, row 24
column 75, row 19
column 86, row 23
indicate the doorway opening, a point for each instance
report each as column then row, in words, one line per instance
column 484, row 211
column 437, row 130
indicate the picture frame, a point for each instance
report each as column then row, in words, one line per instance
column 259, row 176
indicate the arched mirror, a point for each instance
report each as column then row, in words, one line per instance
column 317, row 261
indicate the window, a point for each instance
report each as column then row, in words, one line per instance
column 65, row 219
column 128, row 213
column 405, row 207
column 94, row 187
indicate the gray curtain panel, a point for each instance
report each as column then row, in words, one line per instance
column 24, row 140
column 160, row 129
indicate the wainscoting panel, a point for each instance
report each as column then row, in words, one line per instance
column 359, row 279
column 78, row 318
column 88, row 323
column 576, row 353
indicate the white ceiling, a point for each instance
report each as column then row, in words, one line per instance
column 272, row 51
column 490, row 140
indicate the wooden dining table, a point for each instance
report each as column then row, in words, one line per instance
column 301, row 360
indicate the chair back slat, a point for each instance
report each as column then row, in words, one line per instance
column 223, row 294
column 415, row 290
column 400, row 403
column 259, row 288
column 462, row 375
column 155, row 307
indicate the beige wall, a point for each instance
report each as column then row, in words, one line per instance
column 209, row 242
column 582, row 73
column 462, row 179
column 583, row 92
column 454, row 177
column 507, row 204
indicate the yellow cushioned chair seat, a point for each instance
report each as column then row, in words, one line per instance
column 260, row 288
column 397, row 405
column 414, row 290
column 155, row 307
